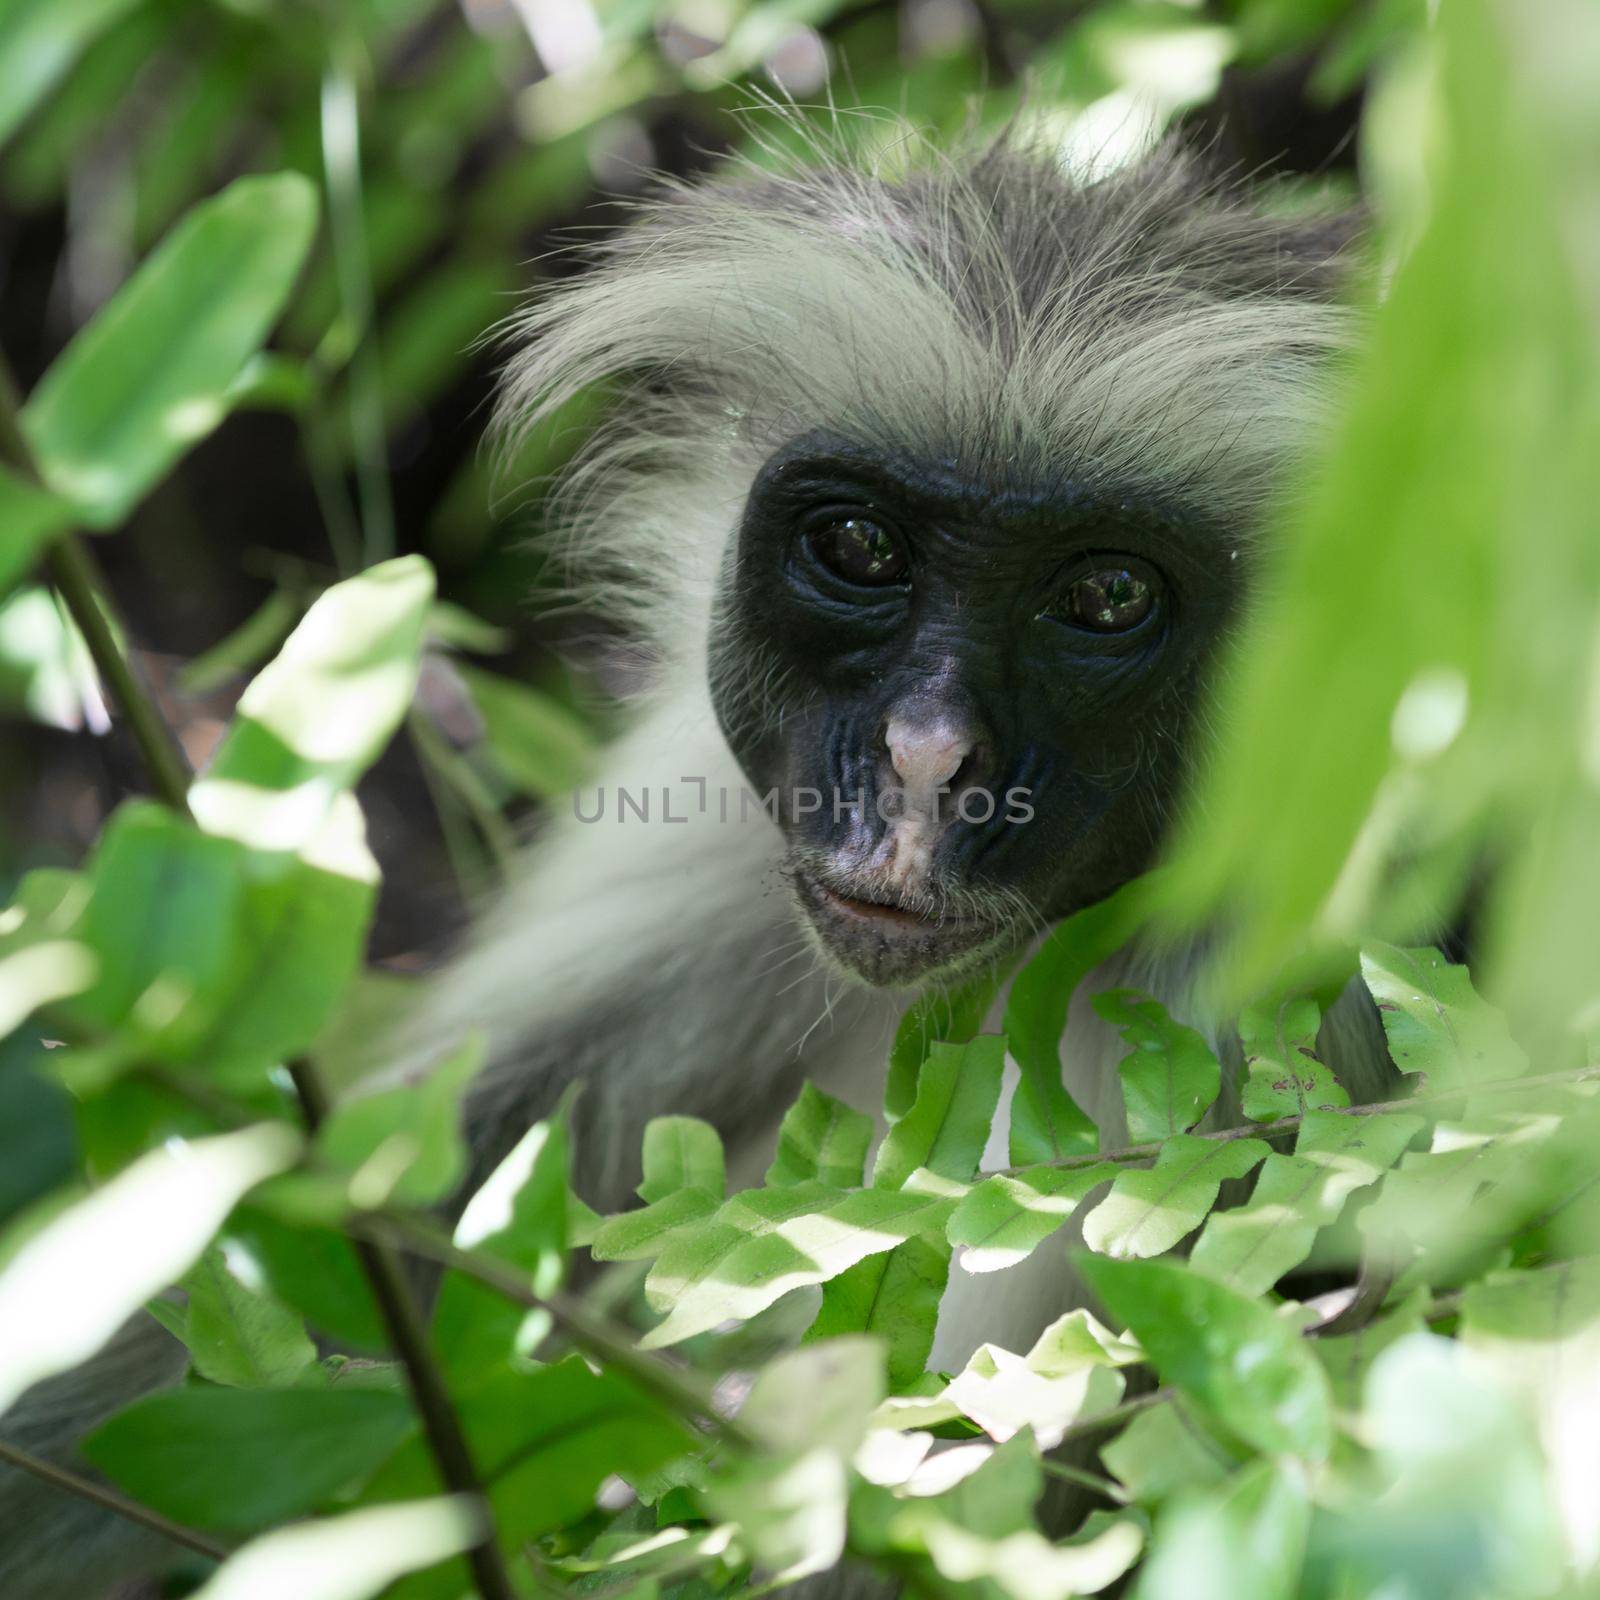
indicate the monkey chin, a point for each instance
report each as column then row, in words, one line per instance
column 890, row 946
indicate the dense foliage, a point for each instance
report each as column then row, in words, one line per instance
column 1377, row 1373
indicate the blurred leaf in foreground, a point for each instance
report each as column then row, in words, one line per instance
column 1246, row 1366
column 76, row 1281
column 352, row 1557
column 151, row 373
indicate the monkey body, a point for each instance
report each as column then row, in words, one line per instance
column 925, row 489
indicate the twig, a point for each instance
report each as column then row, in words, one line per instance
column 99, row 1494
column 673, row 1385
column 409, row 1335
column 1272, row 1130
column 1085, row 1479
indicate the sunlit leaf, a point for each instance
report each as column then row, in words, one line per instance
column 76, row 1281
column 766, row 1242
column 1006, row 1218
column 1149, row 1211
column 351, row 1557
column 1252, row 1246
column 150, row 374
column 316, row 717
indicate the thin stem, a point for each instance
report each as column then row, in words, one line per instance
column 76, row 576
column 1272, row 1130
column 1086, row 1480
column 108, row 1499
column 408, row 1333
column 672, row 1385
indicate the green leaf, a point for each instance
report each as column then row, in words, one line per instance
column 1164, row 1452
column 38, row 1147
column 1252, row 1246
column 949, row 1016
column 1046, row 1123
column 315, row 1270
column 947, row 1126
column 1148, row 1212
column 519, row 1215
column 1435, row 1021
column 351, row 1557
column 82, row 1275
column 1285, row 1078
column 241, row 1459
column 212, row 953
column 766, row 1242
column 820, row 1140
column 545, row 1441
column 681, row 1153
column 1069, row 1374
column 790, row 1509
column 894, row 1296
column 150, row 374
column 30, row 517
column 541, row 746
column 405, row 1146
column 1246, row 1367
column 643, row 1234
column 1006, row 1218
column 1027, row 1566
column 1245, row 1540
column 239, row 1334
column 313, row 721
column 1347, row 1357
column 1171, row 1077
column 823, row 1394
column 39, row 41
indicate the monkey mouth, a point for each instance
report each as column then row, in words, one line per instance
column 891, row 940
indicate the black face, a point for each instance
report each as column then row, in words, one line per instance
column 976, row 697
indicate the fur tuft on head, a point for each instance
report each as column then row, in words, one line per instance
column 1152, row 332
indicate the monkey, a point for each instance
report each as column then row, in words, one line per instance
column 932, row 491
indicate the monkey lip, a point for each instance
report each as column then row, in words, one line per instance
column 880, row 912
column 889, row 944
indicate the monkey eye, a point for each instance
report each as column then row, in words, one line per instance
column 1107, row 600
column 860, row 551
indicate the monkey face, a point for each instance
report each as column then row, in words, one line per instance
column 965, row 695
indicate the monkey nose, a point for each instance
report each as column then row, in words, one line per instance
column 926, row 754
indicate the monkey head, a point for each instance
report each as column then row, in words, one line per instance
column 963, row 692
